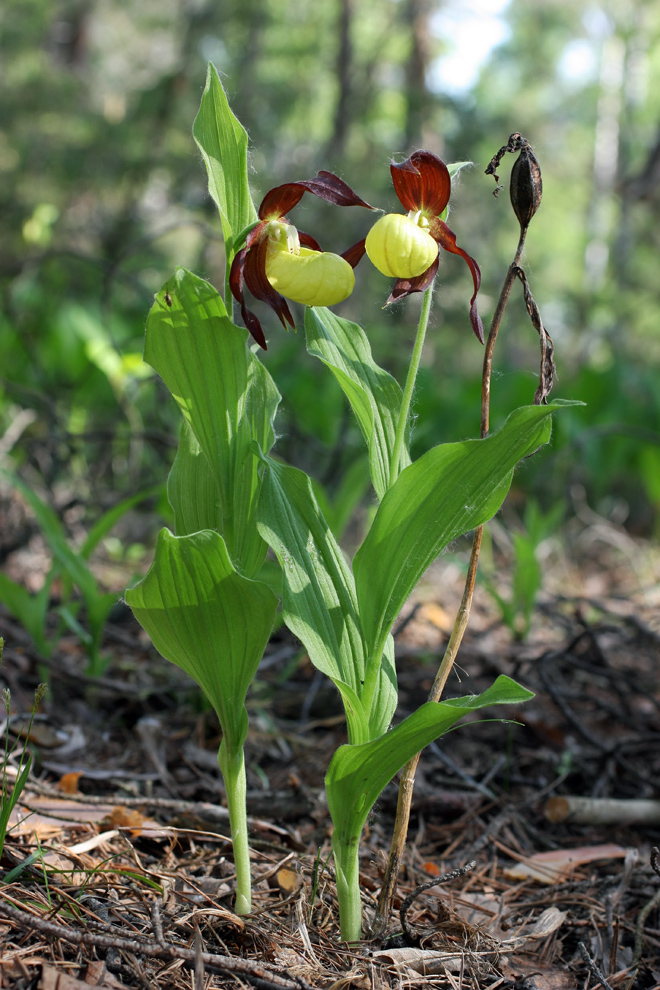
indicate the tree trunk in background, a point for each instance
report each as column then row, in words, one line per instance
column 343, row 75
column 600, row 222
column 253, row 16
column 418, row 97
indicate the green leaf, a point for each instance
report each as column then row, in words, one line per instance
column 353, row 487
column 319, row 595
column 455, row 167
column 192, row 490
column 53, row 530
column 30, row 610
column 374, row 396
column 448, row 491
column 112, row 516
column 358, row 774
column 229, row 401
column 9, row 801
column 527, row 579
column 73, row 564
column 207, row 619
column 223, row 142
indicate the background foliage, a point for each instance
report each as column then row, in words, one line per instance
column 103, row 193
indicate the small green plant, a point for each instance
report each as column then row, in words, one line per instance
column 203, row 601
column 9, row 795
column 71, row 567
column 527, row 575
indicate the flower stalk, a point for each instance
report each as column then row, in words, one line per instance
column 409, row 387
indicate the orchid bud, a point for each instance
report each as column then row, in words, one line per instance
column 400, row 246
column 314, row 278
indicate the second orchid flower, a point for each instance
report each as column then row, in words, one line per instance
column 405, row 246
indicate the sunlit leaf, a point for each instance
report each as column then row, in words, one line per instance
column 223, row 142
column 207, row 619
column 228, row 399
column 448, row 491
column 319, row 595
column 374, row 396
column 359, row 773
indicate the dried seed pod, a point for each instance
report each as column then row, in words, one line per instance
column 526, row 187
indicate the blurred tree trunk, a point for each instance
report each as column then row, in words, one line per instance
column 416, row 15
column 253, row 17
column 343, row 73
column 602, row 215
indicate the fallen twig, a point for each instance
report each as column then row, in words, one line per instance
column 409, row 933
column 592, row 967
column 257, row 975
column 601, row 811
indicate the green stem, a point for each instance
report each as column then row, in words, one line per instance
column 374, row 661
column 229, row 299
column 372, row 669
column 232, row 766
column 347, row 867
column 410, row 384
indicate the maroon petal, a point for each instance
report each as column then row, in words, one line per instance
column 446, row 238
column 327, row 186
column 257, row 282
column 330, row 187
column 236, row 283
column 308, row 240
column 405, row 286
column 422, row 182
column 256, row 234
column 354, row 253
column 278, row 201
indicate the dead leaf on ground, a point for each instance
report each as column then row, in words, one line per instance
column 551, row 867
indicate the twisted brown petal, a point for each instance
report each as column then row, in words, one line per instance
column 308, row 241
column 249, row 268
column 422, row 182
column 236, row 283
column 325, row 185
column 405, row 286
column 446, row 238
column 354, row 253
column 258, row 284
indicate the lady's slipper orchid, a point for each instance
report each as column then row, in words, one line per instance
column 279, row 261
column 405, row 247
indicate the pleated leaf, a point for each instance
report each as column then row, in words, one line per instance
column 207, row 619
column 229, row 401
column 192, row 490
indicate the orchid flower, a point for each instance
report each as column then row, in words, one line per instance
column 278, row 260
column 405, row 246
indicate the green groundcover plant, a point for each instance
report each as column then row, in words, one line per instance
column 204, row 602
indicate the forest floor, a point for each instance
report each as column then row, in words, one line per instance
column 118, row 871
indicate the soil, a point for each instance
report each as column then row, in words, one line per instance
column 118, row 871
